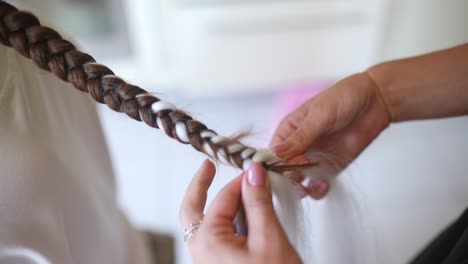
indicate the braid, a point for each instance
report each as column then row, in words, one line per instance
column 43, row 45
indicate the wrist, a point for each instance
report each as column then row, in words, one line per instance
column 387, row 90
column 380, row 95
column 428, row 86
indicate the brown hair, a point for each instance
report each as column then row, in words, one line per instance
column 22, row 31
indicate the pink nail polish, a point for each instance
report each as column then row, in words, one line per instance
column 324, row 187
column 256, row 176
column 320, row 187
column 300, row 191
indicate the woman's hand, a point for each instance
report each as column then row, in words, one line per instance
column 216, row 241
column 336, row 125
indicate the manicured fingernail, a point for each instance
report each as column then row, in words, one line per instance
column 256, row 175
column 322, row 187
column 319, row 189
column 300, row 191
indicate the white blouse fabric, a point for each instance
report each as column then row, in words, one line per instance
column 57, row 191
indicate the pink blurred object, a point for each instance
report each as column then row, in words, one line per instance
column 293, row 97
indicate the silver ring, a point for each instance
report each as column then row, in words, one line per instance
column 190, row 230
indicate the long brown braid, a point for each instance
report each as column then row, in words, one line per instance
column 22, row 31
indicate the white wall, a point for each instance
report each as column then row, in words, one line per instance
column 419, row 26
column 235, row 47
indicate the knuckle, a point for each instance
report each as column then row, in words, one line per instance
column 202, row 182
column 260, row 201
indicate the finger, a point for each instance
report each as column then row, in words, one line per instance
column 306, row 186
column 191, row 210
column 287, row 126
column 284, row 129
column 261, row 217
column 296, row 176
column 299, row 159
column 301, row 191
column 317, row 189
column 226, row 203
column 300, row 140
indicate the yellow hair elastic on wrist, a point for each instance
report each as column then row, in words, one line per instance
column 380, row 94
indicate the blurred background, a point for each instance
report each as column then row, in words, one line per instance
column 237, row 64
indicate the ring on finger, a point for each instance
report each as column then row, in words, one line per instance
column 190, row 230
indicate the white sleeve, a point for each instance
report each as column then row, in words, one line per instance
column 22, row 256
column 31, row 224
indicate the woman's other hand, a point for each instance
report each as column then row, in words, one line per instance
column 336, row 125
column 216, row 241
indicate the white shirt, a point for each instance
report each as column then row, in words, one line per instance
column 57, row 191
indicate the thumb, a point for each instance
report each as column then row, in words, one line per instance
column 261, row 217
column 300, row 140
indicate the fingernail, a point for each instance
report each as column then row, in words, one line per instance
column 256, row 175
column 319, row 188
column 322, row 187
column 300, row 191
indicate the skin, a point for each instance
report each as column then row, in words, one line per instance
column 334, row 128
column 339, row 122
column 344, row 119
column 215, row 241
